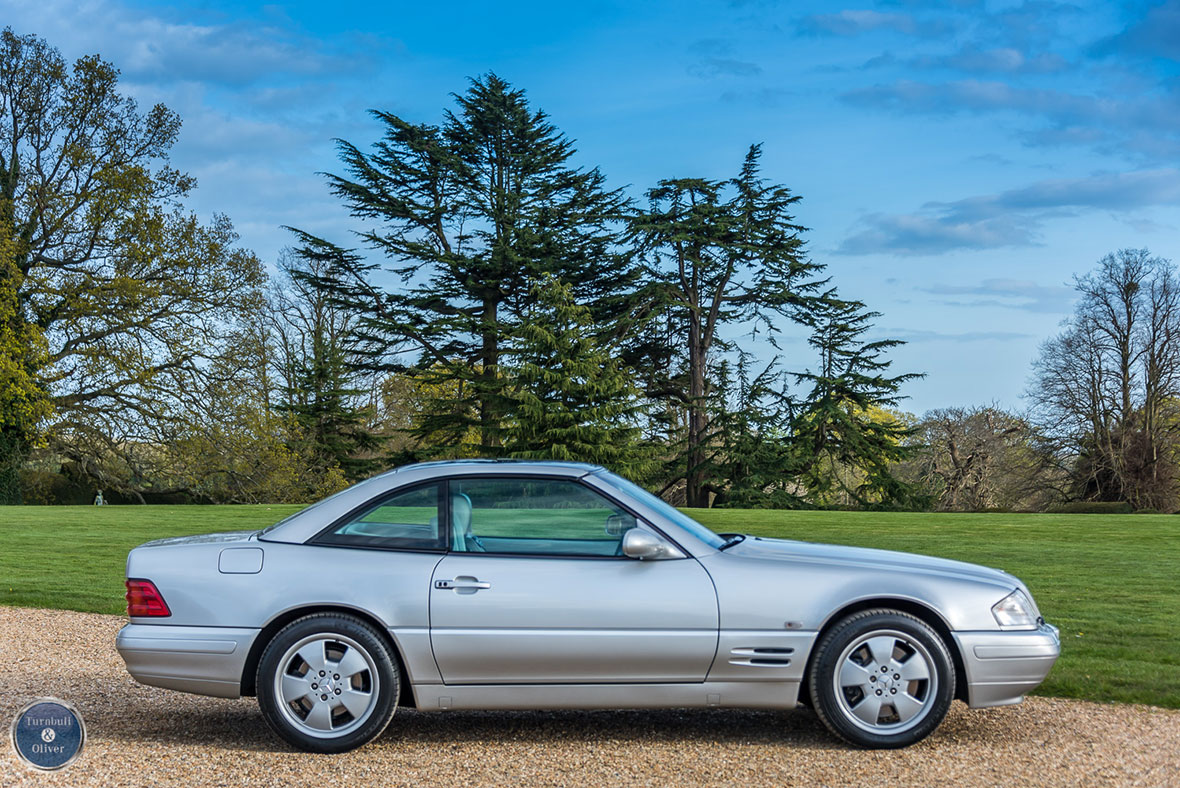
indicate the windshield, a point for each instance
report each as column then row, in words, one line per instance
column 665, row 509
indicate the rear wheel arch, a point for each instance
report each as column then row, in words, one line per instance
column 925, row 613
column 276, row 624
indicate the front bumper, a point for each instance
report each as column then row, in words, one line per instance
column 1002, row 667
column 202, row 660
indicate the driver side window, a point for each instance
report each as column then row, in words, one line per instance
column 522, row 516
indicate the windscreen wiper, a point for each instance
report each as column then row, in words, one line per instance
column 731, row 540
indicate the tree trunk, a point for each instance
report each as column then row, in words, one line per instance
column 696, row 495
column 489, row 417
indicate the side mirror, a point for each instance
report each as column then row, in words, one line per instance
column 646, row 546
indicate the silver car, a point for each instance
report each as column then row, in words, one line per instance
column 544, row 585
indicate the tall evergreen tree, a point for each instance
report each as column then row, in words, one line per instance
column 468, row 214
column 717, row 253
column 321, row 354
column 749, row 454
column 842, row 447
column 569, row 396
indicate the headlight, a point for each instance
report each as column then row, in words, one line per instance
column 1014, row 610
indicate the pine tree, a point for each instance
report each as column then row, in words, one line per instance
column 716, row 254
column 843, row 451
column 322, row 348
column 749, row 452
column 468, row 214
column 570, row 397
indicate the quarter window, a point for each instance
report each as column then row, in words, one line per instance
column 534, row 516
column 407, row 520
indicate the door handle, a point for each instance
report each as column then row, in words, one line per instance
column 461, row 583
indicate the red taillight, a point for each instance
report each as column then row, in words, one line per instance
column 144, row 599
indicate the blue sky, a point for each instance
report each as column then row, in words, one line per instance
column 958, row 161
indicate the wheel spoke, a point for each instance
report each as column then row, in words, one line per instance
column 314, row 654
column 906, row 706
column 320, row 717
column 853, row 675
column 914, row 668
column 881, row 648
column 868, row 709
column 350, row 664
column 294, row 688
column 355, row 701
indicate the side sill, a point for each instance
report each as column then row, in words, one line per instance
column 729, row 694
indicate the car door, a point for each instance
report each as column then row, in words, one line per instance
column 535, row 589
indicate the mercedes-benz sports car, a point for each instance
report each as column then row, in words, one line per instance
column 544, row 585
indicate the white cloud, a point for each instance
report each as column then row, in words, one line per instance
column 1012, row 217
column 152, row 48
column 851, row 22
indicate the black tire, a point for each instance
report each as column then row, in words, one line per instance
column 377, row 684
column 883, row 712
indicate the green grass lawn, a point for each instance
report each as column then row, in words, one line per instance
column 1109, row 582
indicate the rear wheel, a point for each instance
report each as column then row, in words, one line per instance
column 882, row 679
column 327, row 683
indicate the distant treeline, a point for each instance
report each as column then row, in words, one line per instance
column 495, row 300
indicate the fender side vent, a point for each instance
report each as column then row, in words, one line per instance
column 760, row 656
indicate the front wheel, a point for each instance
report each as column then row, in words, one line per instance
column 882, row 679
column 327, row 683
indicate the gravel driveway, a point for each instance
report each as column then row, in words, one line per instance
column 139, row 736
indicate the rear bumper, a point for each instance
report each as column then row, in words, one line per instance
column 1002, row 667
column 202, row 660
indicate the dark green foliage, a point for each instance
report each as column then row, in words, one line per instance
column 716, row 253
column 468, row 214
column 13, row 450
column 569, row 396
column 323, row 347
column 748, row 460
column 844, row 446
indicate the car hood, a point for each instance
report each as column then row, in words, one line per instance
column 839, row 555
column 233, row 536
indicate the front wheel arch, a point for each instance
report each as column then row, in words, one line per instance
column 276, row 624
column 926, row 614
